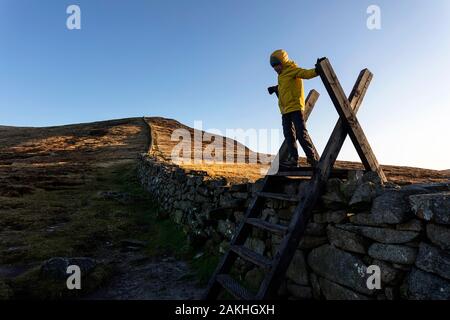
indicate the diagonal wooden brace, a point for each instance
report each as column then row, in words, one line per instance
column 347, row 116
column 337, row 138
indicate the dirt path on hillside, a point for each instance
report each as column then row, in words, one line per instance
column 52, row 180
column 72, row 191
column 142, row 278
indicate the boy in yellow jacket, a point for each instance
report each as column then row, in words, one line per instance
column 291, row 100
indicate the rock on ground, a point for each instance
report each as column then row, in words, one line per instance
column 56, row 268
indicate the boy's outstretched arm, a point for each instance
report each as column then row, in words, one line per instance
column 304, row 73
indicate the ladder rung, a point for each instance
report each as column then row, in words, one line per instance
column 252, row 256
column 233, row 287
column 272, row 227
column 307, row 172
column 295, row 169
column 289, row 178
column 295, row 173
column 279, row 196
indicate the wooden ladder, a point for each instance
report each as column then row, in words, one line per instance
column 306, row 198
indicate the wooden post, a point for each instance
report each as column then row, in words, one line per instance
column 348, row 117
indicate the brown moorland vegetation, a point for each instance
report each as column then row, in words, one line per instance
column 57, row 187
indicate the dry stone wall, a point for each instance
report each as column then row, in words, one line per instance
column 359, row 227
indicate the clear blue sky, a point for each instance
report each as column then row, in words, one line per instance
column 208, row 60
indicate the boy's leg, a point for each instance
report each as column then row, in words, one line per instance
column 289, row 135
column 304, row 138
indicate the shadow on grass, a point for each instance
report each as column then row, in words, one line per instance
column 84, row 222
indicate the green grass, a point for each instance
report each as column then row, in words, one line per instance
column 86, row 224
column 84, row 221
column 164, row 237
column 168, row 238
column 205, row 266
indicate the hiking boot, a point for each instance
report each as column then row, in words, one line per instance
column 290, row 162
column 312, row 162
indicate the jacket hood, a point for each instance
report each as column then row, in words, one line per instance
column 283, row 57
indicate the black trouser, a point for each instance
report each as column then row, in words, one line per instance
column 294, row 129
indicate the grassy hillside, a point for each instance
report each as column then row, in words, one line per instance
column 71, row 191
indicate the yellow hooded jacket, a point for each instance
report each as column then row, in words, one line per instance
column 290, row 84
